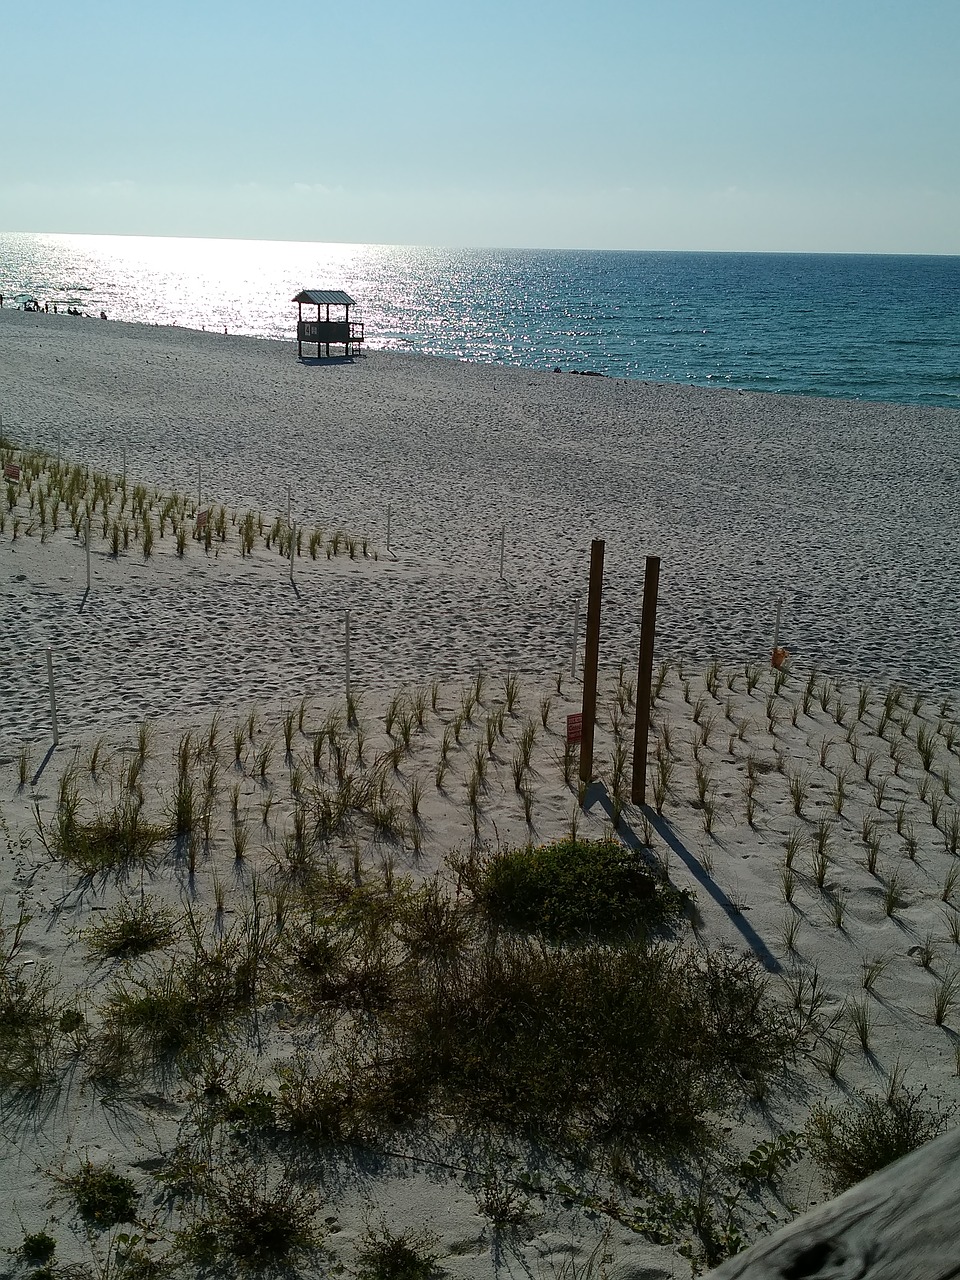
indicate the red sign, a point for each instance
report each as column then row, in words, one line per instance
column 575, row 727
column 202, row 519
column 11, row 471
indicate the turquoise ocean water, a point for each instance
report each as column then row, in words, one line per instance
column 861, row 326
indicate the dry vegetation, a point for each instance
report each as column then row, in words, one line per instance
column 283, row 954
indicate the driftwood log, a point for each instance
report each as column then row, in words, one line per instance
column 903, row 1223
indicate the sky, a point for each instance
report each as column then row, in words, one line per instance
column 764, row 125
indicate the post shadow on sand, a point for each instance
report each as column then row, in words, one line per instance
column 83, row 600
column 597, row 796
column 43, row 764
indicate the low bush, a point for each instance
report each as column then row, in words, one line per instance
column 38, row 1247
column 249, row 1226
column 28, row 1019
column 170, row 1007
column 112, row 841
column 574, row 887
column 102, row 1197
column 132, row 929
column 590, row 1043
column 851, row 1144
column 385, row 1256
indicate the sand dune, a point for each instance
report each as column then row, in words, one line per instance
column 813, row 816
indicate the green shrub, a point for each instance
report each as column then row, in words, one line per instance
column 28, row 1021
column 440, row 1012
column 169, row 1007
column 566, row 1046
column 248, row 1226
column 851, row 1144
column 132, row 929
column 112, row 841
column 384, row 1256
column 38, row 1247
column 102, row 1196
column 576, row 886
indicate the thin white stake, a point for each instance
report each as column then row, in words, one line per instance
column 86, row 538
column 288, row 504
column 776, row 629
column 293, row 547
column 53, row 697
column 346, row 652
column 503, row 541
column 576, row 637
column 389, row 513
column 58, row 447
column 124, row 466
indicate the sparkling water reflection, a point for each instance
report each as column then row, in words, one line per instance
column 876, row 328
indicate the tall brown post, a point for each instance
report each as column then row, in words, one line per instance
column 591, row 659
column 641, row 730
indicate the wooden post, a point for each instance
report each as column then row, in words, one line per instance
column 53, row 697
column 576, row 638
column 591, row 659
column 641, row 729
column 346, row 653
column 86, row 539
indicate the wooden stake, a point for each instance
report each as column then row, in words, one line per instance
column 641, row 730
column 576, row 638
column 591, row 659
column 346, row 653
column 53, row 697
column 86, row 538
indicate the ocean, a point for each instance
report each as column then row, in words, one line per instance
column 867, row 327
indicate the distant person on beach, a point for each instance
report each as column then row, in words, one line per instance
column 103, row 315
column 46, row 308
column 1, row 299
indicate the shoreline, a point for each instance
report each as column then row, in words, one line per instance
column 366, row 350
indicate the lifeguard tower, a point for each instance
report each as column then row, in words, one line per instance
column 326, row 332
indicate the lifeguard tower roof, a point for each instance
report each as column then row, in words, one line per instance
column 325, row 298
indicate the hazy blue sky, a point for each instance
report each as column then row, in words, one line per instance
column 677, row 124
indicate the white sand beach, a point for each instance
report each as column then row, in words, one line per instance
column 814, row 815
